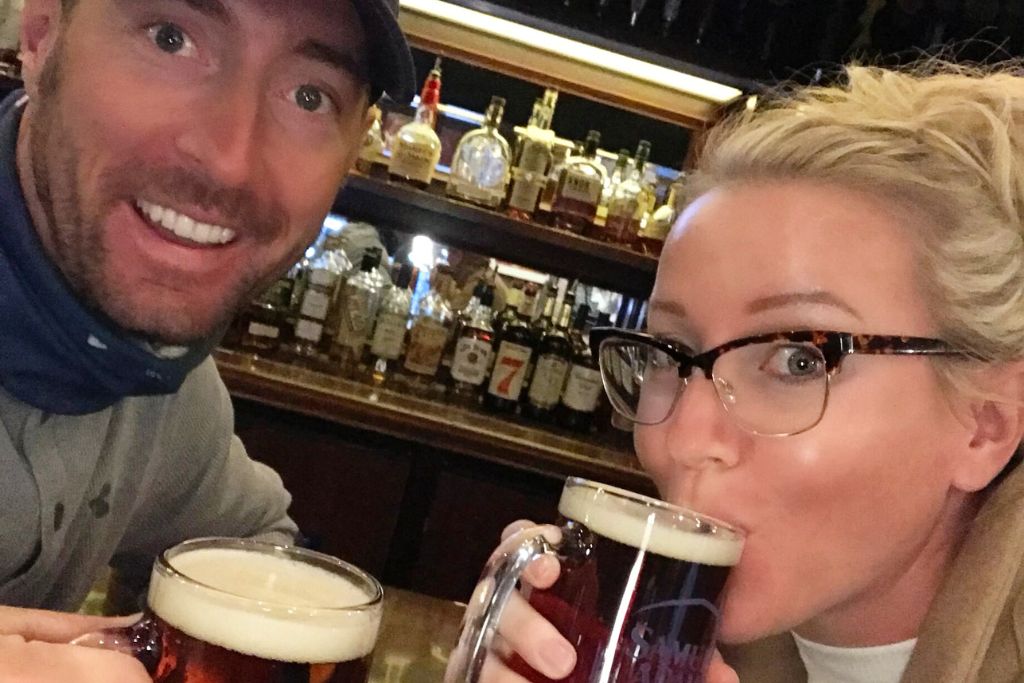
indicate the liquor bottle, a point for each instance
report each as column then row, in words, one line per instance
column 513, row 299
column 583, row 388
column 554, row 358
column 474, row 351
column 514, row 352
column 651, row 237
column 305, row 351
column 480, row 165
column 417, row 148
column 357, row 310
column 428, row 335
column 543, row 323
column 619, row 173
column 579, row 188
column 532, row 164
column 264, row 324
column 444, row 377
column 630, row 202
column 559, row 155
column 373, row 143
column 332, row 256
column 392, row 321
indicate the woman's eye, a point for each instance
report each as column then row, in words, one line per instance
column 171, row 39
column 312, row 99
column 794, row 361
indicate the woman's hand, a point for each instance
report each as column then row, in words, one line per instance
column 34, row 649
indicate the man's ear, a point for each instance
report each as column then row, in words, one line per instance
column 995, row 424
column 40, row 23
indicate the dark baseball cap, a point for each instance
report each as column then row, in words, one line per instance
column 391, row 67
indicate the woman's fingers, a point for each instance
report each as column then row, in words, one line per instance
column 535, row 640
column 720, row 672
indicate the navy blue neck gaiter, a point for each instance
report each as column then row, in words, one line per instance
column 55, row 354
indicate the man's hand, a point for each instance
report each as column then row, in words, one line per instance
column 34, row 649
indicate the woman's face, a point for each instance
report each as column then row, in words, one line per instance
column 848, row 521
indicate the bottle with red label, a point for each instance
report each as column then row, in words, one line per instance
column 514, row 352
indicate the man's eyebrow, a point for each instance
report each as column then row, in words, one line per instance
column 818, row 297
column 211, row 8
column 331, row 56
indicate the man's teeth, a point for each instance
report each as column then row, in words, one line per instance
column 184, row 227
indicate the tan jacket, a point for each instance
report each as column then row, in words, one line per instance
column 974, row 630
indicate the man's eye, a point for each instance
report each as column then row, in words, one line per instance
column 312, row 99
column 171, row 39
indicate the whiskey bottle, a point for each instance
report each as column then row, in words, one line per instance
column 651, row 237
column 480, row 165
column 392, row 320
column 473, row 353
column 583, row 388
column 264, row 324
column 513, row 299
column 514, row 352
column 559, row 155
column 428, row 335
column 554, row 358
column 371, row 151
column 305, row 351
column 630, row 202
column 579, row 189
column 417, row 148
column 357, row 310
column 532, row 163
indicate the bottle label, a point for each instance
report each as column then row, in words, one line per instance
column 526, row 192
column 426, row 345
column 261, row 330
column 548, row 381
column 583, row 390
column 414, row 160
column 509, row 371
column 472, row 360
column 388, row 336
column 315, row 304
column 582, row 187
column 357, row 311
column 465, row 188
column 535, row 157
column 309, row 330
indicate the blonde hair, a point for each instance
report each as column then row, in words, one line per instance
column 945, row 140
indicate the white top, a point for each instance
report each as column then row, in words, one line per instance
column 879, row 664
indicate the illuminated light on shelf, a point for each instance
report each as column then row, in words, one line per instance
column 575, row 50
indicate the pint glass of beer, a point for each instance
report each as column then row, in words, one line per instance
column 639, row 594
column 230, row 610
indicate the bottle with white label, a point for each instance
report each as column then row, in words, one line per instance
column 428, row 336
column 309, row 325
column 532, row 163
column 583, row 388
column 417, row 148
column 579, row 189
column 514, row 353
column 554, row 359
column 388, row 340
column 474, row 353
column 264, row 325
column 357, row 310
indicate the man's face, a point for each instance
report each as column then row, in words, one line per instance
column 177, row 155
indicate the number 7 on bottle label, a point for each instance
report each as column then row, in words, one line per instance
column 509, row 371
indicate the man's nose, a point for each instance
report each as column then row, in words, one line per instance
column 223, row 138
column 699, row 432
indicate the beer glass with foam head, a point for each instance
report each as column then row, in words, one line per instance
column 639, row 594
column 225, row 610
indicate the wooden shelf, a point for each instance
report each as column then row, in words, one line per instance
column 458, row 224
column 435, row 425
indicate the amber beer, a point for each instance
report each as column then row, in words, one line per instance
column 639, row 593
column 227, row 615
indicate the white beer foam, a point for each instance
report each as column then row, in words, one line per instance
column 657, row 529
column 243, row 605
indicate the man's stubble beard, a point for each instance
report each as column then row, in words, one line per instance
column 72, row 234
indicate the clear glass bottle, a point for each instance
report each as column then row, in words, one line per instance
column 618, row 174
column 428, row 336
column 480, row 165
column 417, row 148
column 579, row 189
column 630, row 202
column 651, row 237
column 532, row 164
column 474, row 353
column 559, row 155
column 554, row 358
column 357, row 310
column 388, row 341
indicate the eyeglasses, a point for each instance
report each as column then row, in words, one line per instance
column 772, row 384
